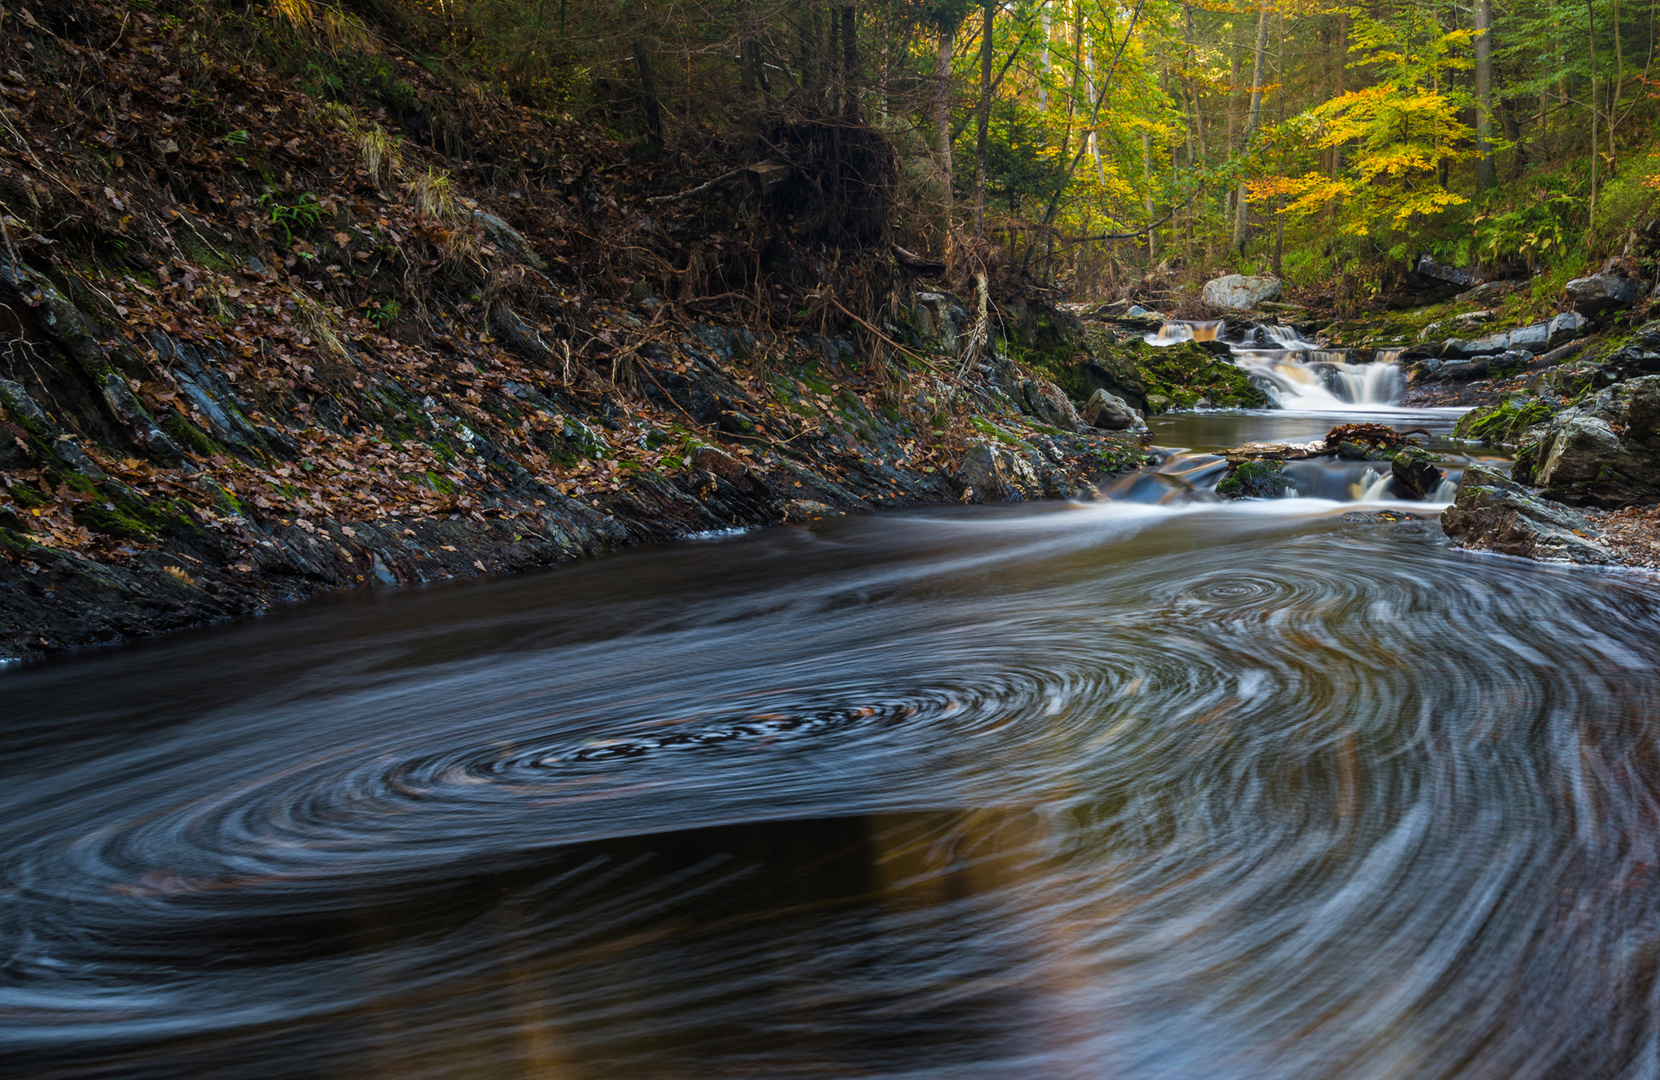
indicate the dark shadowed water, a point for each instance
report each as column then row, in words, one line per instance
column 1120, row 790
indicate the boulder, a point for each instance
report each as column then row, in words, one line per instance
column 940, row 321
column 1237, row 292
column 1566, row 327
column 1599, row 294
column 1492, row 513
column 1455, row 348
column 1113, row 413
column 1416, row 473
column 1535, row 339
column 1493, row 290
column 1637, row 355
column 1428, row 270
column 1465, row 370
column 992, row 473
column 1603, row 452
column 1049, row 403
column 1254, row 480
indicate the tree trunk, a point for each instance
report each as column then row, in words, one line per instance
column 1484, row 92
column 1239, row 221
column 1614, row 94
column 1591, row 36
column 648, row 93
column 942, row 115
column 983, row 125
column 850, row 65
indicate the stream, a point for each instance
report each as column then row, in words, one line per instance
column 1156, row 786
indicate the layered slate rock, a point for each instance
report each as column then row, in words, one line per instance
column 1599, row 294
column 1493, row 513
column 1237, row 292
column 991, row 473
column 1605, row 452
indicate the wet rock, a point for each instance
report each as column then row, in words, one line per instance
column 1237, row 292
column 1426, row 269
column 68, row 451
column 1465, row 370
column 1416, row 473
column 1492, row 513
column 1637, row 355
column 991, row 473
column 17, row 399
column 1602, row 293
column 1104, row 410
column 1254, row 480
column 1049, row 403
column 1455, row 348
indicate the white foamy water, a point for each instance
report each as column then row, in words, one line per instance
column 1297, row 374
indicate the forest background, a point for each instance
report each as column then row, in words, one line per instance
column 1094, row 143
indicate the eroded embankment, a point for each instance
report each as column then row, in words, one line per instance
column 254, row 345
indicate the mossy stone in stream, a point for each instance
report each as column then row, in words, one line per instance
column 1189, row 373
column 1416, row 472
column 1255, row 480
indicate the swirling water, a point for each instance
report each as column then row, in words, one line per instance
column 1112, row 790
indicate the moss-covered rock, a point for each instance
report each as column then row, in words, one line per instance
column 1504, row 422
column 1188, row 374
column 1254, row 480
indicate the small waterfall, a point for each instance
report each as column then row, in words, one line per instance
column 1295, row 373
column 1446, row 491
column 1372, row 486
column 1178, row 331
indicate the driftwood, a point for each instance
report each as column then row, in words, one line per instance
column 762, row 177
column 921, row 264
column 1277, row 452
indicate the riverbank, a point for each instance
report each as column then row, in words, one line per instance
column 257, row 342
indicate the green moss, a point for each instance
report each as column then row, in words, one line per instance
column 1187, row 374
column 991, row 430
column 189, row 436
column 1255, row 480
column 1504, row 422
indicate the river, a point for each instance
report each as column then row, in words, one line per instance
column 1152, row 787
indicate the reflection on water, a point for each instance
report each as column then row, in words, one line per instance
column 1250, row 790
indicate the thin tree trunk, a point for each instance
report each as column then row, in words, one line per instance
column 1614, row 95
column 1147, row 193
column 1484, row 93
column 1591, row 36
column 648, row 93
column 988, row 14
column 942, row 117
column 1043, row 83
column 850, row 65
column 1239, row 221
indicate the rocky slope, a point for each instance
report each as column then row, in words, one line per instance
column 254, row 344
